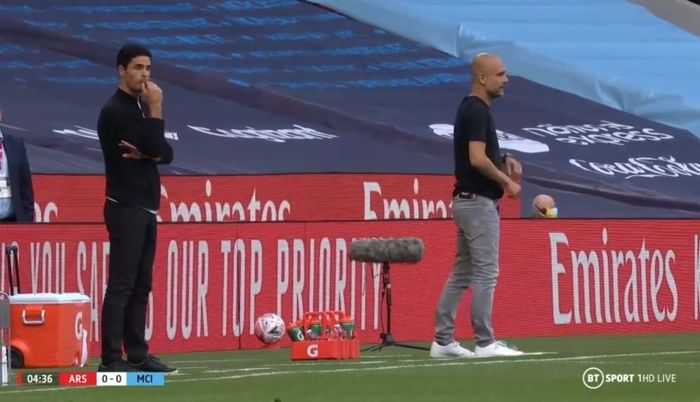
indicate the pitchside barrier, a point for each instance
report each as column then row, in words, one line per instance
column 264, row 198
column 557, row 277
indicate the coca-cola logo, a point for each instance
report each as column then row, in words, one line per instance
column 643, row 166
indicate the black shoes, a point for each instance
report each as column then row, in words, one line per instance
column 153, row 364
column 117, row 366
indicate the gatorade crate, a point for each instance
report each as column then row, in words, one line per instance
column 328, row 346
column 48, row 329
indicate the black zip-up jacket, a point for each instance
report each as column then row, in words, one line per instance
column 132, row 182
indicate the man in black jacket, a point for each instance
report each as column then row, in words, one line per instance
column 132, row 137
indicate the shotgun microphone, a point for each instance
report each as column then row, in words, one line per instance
column 403, row 250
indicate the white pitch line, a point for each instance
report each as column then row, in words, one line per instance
column 299, row 364
column 325, row 362
column 680, row 352
column 215, row 361
column 238, row 369
column 429, row 359
column 23, row 391
column 384, row 356
column 437, row 363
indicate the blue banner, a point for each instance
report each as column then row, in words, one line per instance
column 279, row 86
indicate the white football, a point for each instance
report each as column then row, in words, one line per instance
column 269, row 328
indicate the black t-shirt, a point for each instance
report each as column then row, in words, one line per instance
column 475, row 123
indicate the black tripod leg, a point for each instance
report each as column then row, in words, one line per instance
column 374, row 348
column 403, row 345
column 388, row 338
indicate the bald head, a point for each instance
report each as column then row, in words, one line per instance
column 543, row 206
column 489, row 77
column 482, row 62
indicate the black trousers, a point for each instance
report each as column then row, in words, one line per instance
column 132, row 238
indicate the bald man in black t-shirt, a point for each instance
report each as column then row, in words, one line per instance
column 482, row 176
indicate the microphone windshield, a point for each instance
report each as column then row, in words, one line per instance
column 405, row 250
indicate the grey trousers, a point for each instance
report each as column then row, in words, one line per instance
column 476, row 266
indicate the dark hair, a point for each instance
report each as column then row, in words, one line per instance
column 129, row 52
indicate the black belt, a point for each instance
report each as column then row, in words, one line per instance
column 465, row 195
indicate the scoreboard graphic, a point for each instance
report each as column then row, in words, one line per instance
column 102, row 379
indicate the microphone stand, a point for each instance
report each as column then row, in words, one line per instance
column 387, row 337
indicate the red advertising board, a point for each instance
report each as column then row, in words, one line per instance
column 212, row 280
column 300, row 198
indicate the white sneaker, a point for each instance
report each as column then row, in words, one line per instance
column 497, row 348
column 454, row 349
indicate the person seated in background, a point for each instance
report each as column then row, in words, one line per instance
column 16, row 191
column 544, row 207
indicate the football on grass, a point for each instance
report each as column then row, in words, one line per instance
column 269, row 328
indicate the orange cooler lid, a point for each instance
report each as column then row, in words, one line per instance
column 49, row 298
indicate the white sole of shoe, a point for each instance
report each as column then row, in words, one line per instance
column 452, row 357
